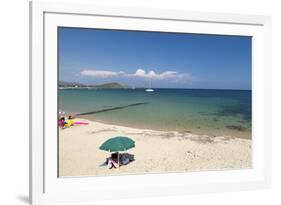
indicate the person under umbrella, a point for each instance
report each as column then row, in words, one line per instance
column 116, row 145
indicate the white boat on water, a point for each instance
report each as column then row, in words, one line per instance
column 149, row 89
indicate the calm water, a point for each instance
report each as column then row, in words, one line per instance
column 199, row 111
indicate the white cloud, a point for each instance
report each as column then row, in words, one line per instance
column 100, row 73
column 161, row 76
column 140, row 73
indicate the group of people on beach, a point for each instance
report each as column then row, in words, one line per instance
column 65, row 123
column 117, row 159
column 69, row 122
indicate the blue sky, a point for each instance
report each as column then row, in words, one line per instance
column 169, row 60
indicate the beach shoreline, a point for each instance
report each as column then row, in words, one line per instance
column 155, row 152
column 233, row 131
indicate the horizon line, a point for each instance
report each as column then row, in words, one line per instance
column 164, row 88
column 134, row 87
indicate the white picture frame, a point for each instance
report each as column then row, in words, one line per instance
column 46, row 187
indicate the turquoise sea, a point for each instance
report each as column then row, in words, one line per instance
column 200, row 111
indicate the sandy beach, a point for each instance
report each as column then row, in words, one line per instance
column 155, row 151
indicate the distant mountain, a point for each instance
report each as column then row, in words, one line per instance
column 111, row 85
column 80, row 85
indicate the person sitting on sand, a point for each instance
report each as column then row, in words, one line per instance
column 114, row 157
column 112, row 161
column 62, row 122
column 70, row 121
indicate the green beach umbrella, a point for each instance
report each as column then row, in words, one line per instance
column 117, row 144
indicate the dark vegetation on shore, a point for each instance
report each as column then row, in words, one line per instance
column 80, row 85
